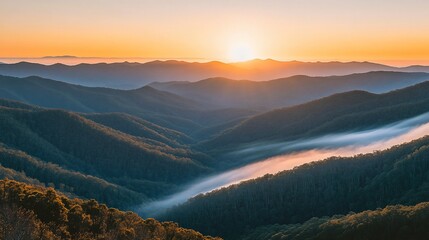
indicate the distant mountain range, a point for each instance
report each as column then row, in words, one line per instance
column 133, row 75
column 288, row 91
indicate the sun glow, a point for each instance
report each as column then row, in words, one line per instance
column 240, row 52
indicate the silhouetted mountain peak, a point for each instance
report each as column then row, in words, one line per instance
column 146, row 88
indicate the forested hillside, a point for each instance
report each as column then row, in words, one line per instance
column 393, row 223
column 350, row 111
column 28, row 212
column 333, row 186
column 158, row 107
column 140, row 128
column 87, row 159
column 18, row 165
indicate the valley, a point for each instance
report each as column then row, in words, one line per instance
column 214, row 120
column 159, row 153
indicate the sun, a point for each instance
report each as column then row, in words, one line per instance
column 240, row 52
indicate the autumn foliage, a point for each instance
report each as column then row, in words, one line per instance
column 28, row 212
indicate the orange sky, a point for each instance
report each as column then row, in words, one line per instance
column 383, row 31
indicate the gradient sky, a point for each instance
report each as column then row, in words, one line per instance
column 395, row 30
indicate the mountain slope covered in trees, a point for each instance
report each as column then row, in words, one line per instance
column 392, row 222
column 333, row 186
column 87, row 159
column 161, row 108
column 140, row 128
column 28, row 212
column 350, row 111
column 22, row 167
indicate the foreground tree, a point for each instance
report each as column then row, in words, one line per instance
column 29, row 212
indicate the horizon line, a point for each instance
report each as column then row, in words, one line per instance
column 387, row 62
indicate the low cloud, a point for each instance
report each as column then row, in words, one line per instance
column 282, row 156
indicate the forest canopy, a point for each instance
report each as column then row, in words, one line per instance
column 28, row 212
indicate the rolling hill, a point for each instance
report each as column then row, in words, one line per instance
column 288, row 91
column 356, row 110
column 20, row 166
column 158, row 107
column 336, row 185
column 133, row 75
column 140, row 128
column 70, row 151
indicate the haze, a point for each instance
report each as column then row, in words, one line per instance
column 220, row 30
column 212, row 120
column 287, row 155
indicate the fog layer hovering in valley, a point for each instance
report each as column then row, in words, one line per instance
column 280, row 156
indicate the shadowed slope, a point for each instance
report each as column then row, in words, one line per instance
column 338, row 113
column 64, row 145
column 162, row 108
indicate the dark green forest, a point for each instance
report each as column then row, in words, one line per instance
column 78, row 156
column 28, row 212
column 336, row 185
column 141, row 128
column 393, row 222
